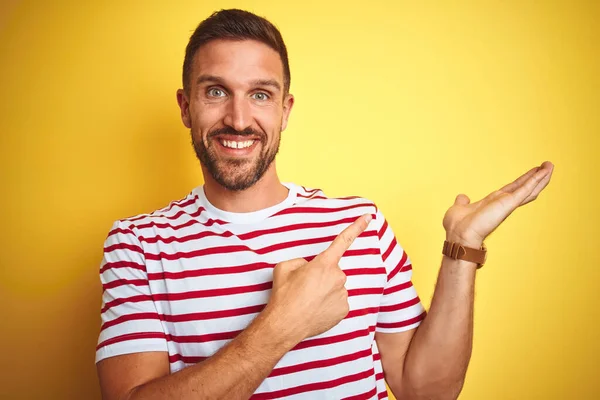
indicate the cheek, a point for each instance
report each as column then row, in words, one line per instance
column 206, row 119
column 270, row 121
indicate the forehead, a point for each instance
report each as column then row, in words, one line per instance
column 237, row 61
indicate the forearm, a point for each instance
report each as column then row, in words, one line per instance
column 234, row 372
column 439, row 353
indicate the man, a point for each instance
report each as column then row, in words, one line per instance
column 252, row 288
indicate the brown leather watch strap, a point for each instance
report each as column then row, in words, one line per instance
column 459, row 252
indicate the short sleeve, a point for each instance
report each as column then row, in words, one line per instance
column 130, row 321
column 400, row 308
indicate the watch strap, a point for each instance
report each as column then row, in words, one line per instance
column 458, row 251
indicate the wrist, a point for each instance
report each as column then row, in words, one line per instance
column 465, row 240
column 283, row 332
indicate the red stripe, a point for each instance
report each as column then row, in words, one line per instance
column 399, row 306
column 179, row 203
column 123, row 246
column 239, row 248
column 365, row 291
column 379, row 376
column 321, row 210
column 402, row 324
column 186, row 359
column 334, row 339
column 398, row 267
column 320, row 363
column 361, row 252
column 122, row 264
column 123, row 300
column 183, row 239
column 363, row 396
column 310, row 196
column 126, row 231
column 382, row 230
column 287, row 228
column 365, row 271
column 208, row 337
column 129, row 317
column 362, row 311
column 382, row 395
column 131, row 336
column 122, row 282
column 204, row 315
column 197, row 294
column 199, row 316
column 209, row 271
column 162, row 215
column 311, row 191
column 376, row 356
column 397, row 288
column 314, row 386
column 193, row 221
column 389, row 249
column 315, row 197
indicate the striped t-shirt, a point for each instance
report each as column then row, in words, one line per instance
column 188, row 278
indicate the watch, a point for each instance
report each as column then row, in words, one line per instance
column 459, row 252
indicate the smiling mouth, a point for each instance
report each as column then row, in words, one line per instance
column 233, row 144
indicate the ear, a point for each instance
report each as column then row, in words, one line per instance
column 288, row 103
column 184, row 105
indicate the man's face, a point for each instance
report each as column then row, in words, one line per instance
column 236, row 110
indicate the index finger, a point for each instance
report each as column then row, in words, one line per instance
column 344, row 240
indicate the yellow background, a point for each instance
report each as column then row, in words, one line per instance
column 407, row 103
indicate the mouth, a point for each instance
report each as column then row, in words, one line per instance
column 237, row 145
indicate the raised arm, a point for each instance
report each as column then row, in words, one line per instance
column 432, row 362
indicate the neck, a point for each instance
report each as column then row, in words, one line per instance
column 265, row 193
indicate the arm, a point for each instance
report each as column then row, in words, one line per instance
column 433, row 362
column 233, row 372
column 307, row 298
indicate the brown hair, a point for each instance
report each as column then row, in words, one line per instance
column 235, row 24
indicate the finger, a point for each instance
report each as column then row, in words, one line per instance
column 540, row 186
column 519, row 181
column 344, row 240
column 520, row 194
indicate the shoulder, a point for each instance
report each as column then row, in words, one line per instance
column 174, row 214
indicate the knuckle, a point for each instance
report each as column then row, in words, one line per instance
column 342, row 278
column 345, row 294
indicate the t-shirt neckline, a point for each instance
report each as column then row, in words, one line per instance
column 249, row 217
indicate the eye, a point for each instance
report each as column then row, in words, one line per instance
column 215, row 92
column 261, row 96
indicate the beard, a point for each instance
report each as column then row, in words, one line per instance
column 235, row 174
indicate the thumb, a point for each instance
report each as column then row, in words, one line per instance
column 462, row 200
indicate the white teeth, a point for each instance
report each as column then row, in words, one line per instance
column 232, row 144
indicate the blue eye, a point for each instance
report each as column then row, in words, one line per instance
column 215, row 92
column 260, row 96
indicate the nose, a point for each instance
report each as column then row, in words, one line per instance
column 238, row 114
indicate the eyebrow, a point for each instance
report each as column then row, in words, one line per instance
column 257, row 82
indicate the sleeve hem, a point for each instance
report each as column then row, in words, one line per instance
column 130, row 348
